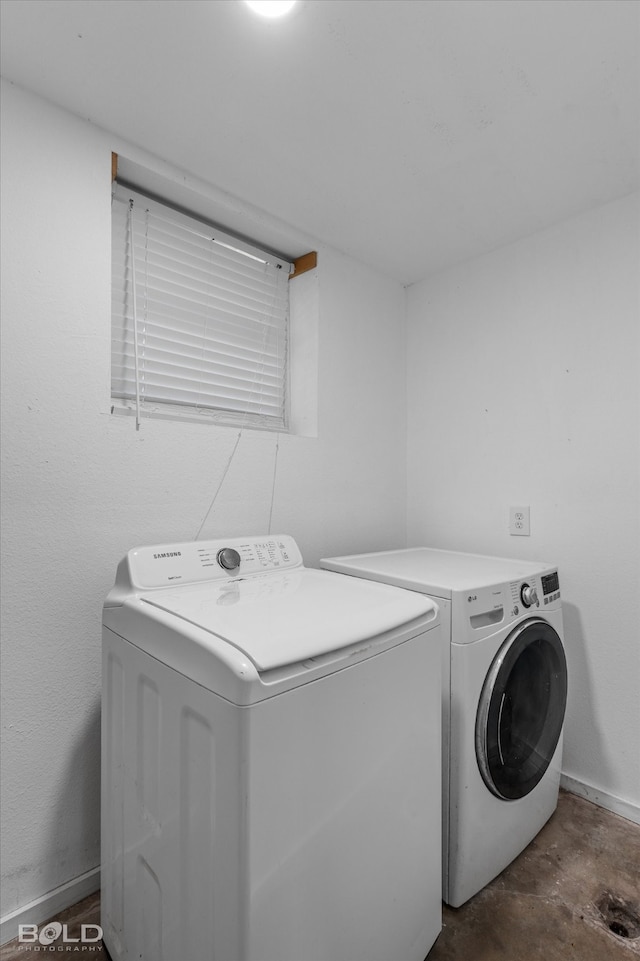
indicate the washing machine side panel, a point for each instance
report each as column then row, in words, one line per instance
column 344, row 815
column 112, row 798
column 172, row 812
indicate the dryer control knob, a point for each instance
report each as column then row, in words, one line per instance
column 528, row 595
column 229, row 559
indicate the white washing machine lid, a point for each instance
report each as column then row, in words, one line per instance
column 289, row 616
column 434, row 571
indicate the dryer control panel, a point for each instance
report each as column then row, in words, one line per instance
column 535, row 592
column 165, row 565
column 487, row 609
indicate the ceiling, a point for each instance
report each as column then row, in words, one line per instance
column 410, row 134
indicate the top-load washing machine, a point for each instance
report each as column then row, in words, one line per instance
column 260, row 796
column 503, row 699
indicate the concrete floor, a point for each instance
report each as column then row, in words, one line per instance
column 543, row 907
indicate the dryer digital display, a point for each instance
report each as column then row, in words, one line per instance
column 550, row 583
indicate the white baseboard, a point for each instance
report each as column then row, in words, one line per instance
column 625, row 809
column 50, row 904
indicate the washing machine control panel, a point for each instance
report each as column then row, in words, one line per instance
column 166, row 565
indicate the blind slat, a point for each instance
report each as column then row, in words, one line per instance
column 180, row 299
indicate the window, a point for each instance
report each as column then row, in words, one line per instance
column 199, row 318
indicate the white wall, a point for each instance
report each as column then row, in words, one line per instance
column 523, row 384
column 80, row 486
column 523, row 388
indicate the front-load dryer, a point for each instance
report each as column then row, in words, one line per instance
column 260, row 796
column 503, row 700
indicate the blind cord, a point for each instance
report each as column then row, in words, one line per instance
column 256, row 387
column 224, row 474
column 273, row 485
column 135, row 316
column 226, row 471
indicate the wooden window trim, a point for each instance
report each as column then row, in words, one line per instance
column 304, row 263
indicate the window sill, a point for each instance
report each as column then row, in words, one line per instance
column 170, row 412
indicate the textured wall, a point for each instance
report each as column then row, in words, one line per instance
column 80, row 486
column 523, row 384
column 523, row 373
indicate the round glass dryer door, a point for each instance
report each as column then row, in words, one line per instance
column 521, row 710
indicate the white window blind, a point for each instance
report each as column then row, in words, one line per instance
column 199, row 318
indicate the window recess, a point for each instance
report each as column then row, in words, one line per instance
column 200, row 319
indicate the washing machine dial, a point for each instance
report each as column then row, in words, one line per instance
column 528, row 595
column 228, row 559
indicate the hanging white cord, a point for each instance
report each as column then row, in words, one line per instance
column 232, row 455
column 224, row 474
column 273, row 485
column 135, row 316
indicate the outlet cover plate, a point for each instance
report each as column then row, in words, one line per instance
column 519, row 521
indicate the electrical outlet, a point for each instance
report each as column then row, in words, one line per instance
column 519, row 521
